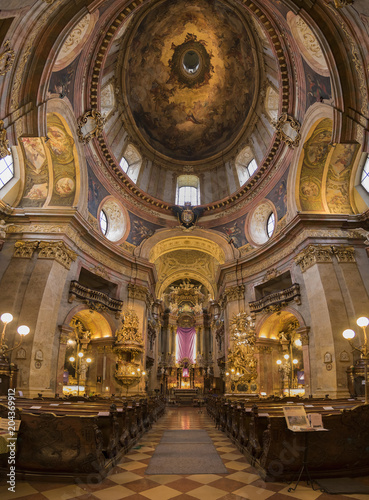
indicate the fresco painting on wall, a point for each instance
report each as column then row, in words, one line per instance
column 140, row 229
column 96, row 192
column 318, row 88
column 234, row 231
column 278, row 196
column 36, row 172
column 315, row 153
column 338, row 178
column 62, row 82
column 61, row 147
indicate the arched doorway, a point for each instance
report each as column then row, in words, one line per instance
column 89, row 336
column 282, row 361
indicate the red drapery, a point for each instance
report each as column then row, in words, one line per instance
column 186, row 344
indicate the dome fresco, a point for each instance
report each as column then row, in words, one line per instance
column 183, row 76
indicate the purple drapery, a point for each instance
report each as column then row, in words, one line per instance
column 186, row 343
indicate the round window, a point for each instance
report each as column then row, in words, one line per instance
column 260, row 224
column 113, row 220
column 191, row 61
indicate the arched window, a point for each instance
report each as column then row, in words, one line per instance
column 365, row 176
column 103, row 222
column 270, row 226
column 246, row 165
column 131, row 162
column 272, row 103
column 124, row 164
column 188, row 190
column 6, row 170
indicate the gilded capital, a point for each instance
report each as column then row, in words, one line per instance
column 314, row 254
column 139, row 292
column 57, row 250
column 25, row 249
column 233, row 293
column 344, row 253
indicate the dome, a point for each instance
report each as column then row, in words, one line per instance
column 188, row 90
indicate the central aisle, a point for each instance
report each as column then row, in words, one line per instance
column 241, row 482
column 128, row 480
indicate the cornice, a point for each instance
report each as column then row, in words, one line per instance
column 70, row 226
column 328, row 229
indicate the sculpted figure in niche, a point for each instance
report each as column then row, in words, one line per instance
column 3, row 227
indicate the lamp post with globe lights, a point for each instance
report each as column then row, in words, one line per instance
column 349, row 334
column 23, row 330
column 8, row 369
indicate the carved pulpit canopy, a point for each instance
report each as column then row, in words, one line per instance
column 128, row 337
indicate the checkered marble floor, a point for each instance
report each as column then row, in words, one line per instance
column 128, row 480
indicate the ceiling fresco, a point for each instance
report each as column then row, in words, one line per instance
column 184, row 72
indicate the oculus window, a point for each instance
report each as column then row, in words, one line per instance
column 365, row 175
column 6, row 170
column 188, row 190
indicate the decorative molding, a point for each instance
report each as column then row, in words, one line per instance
column 314, row 254
column 7, row 56
column 94, row 299
column 303, row 331
column 4, row 143
column 271, row 274
column 57, row 250
column 95, row 130
column 344, row 253
column 19, row 78
column 264, row 349
column 232, row 293
column 342, row 3
column 25, row 249
column 139, row 292
column 356, row 59
column 288, row 130
column 280, row 298
column 360, row 233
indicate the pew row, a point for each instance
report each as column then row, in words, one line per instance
column 66, row 441
column 260, row 432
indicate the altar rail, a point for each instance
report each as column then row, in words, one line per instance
column 62, row 438
column 261, row 434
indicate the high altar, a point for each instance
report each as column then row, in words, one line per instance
column 186, row 365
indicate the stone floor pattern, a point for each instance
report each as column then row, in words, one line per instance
column 128, row 480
